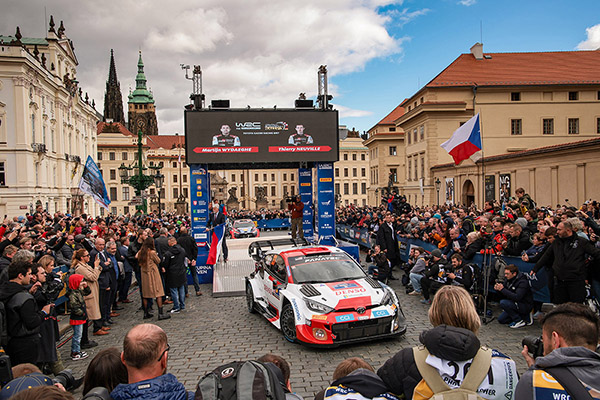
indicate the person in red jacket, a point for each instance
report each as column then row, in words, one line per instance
column 297, row 208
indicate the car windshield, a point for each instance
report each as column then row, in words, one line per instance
column 243, row 224
column 324, row 268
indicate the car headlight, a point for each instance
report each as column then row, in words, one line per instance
column 388, row 299
column 317, row 307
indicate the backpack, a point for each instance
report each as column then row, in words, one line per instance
column 250, row 380
column 468, row 389
column 20, row 296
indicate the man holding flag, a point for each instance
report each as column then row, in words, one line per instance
column 465, row 141
column 216, row 221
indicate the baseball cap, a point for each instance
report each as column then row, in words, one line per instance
column 23, row 383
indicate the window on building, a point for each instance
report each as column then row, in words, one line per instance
column 363, row 157
column 415, row 135
column 354, row 172
column 345, row 156
column 174, row 164
column 597, row 125
column 337, row 172
column 346, row 188
column 363, row 172
column 113, row 174
column 125, row 193
column 152, row 191
column 242, row 177
column 363, row 188
column 598, row 95
column 185, row 192
column 32, row 128
column 345, row 172
column 422, row 166
column 573, row 95
column 174, row 178
column 337, row 188
column 548, row 126
column 124, row 156
column 393, row 150
column 416, row 167
column 516, row 127
column 515, row 96
column 285, row 190
column 112, row 156
column 354, row 157
column 292, row 177
column 113, row 194
column 409, row 169
column 394, row 175
column 2, row 175
column 184, row 178
column 161, row 164
column 422, row 132
column 272, row 177
column 163, row 193
column 293, row 193
column 232, row 177
column 408, row 137
column 273, row 191
column 573, row 126
column 285, row 177
column 175, row 192
column 392, row 129
column 99, row 156
column 101, row 211
column 265, row 177
column 126, row 210
column 255, row 177
column 355, row 188
column 113, row 210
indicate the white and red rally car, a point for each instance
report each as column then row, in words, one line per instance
column 319, row 295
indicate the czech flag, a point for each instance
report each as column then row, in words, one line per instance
column 216, row 244
column 465, row 141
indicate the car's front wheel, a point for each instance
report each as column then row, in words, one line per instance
column 288, row 323
column 250, row 299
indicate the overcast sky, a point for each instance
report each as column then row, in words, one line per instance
column 264, row 53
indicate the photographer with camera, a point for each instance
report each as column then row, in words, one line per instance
column 517, row 304
column 570, row 334
column 296, row 206
column 381, row 262
column 434, row 277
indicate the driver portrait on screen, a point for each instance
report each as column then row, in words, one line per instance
column 300, row 138
column 225, row 139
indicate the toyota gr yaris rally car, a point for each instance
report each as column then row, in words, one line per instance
column 319, row 295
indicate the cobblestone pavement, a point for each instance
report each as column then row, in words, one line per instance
column 213, row 331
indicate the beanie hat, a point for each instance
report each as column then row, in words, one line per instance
column 436, row 253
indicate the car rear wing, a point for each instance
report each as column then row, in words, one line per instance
column 257, row 249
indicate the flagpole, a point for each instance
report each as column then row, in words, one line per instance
column 482, row 152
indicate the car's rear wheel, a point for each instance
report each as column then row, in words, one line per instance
column 250, row 299
column 288, row 323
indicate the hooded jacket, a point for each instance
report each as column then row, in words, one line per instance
column 451, row 350
column 174, row 264
column 77, row 301
column 164, row 387
column 582, row 362
column 360, row 384
column 518, row 290
column 567, row 257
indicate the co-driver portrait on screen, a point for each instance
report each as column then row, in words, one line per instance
column 225, row 139
column 300, row 138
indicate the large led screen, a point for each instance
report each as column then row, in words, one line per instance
column 260, row 136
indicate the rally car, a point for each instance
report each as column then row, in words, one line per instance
column 319, row 295
column 244, row 228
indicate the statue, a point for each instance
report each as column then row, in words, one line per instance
column 260, row 193
column 232, row 195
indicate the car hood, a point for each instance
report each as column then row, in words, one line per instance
column 344, row 295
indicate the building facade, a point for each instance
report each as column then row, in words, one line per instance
column 351, row 171
column 47, row 125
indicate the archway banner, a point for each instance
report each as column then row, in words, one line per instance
column 325, row 203
column 306, row 195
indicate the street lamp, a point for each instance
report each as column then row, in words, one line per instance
column 138, row 180
column 438, row 183
column 159, row 179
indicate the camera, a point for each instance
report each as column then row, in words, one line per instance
column 66, row 378
column 534, row 345
column 5, row 370
column 99, row 393
column 290, row 199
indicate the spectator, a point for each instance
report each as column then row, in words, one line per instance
column 134, row 247
column 151, row 284
column 382, row 265
column 388, row 241
column 65, row 254
column 7, row 255
column 191, row 252
column 173, row 265
column 125, row 284
column 105, row 370
column 217, row 218
column 474, row 245
column 460, row 274
column 282, row 370
column 434, row 277
column 78, row 289
column 537, row 246
column 517, row 242
column 22, row 315
column 418, row 270
column 452, row 344
column 90, row 274
column 570, row 334
column 517, row 303
column 145, row 354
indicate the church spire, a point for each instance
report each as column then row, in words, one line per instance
column 142, row 112
column 141, row 95
column 113, row 101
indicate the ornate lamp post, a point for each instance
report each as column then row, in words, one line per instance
column 139, row 181
column 438, row 183
column 159, row 179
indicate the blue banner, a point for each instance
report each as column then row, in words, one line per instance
column 200, row 198
column 275, row 223
column 306, row 194
column 325, row 203
column 356, row 235
column 92, row 183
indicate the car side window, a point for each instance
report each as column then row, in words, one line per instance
column 277, row 267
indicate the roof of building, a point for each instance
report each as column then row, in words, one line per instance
column 394, row 115
column 112, row 127
column 141, row 95
column 165, row 141
column 530, row 152
column 539, row 68
column 24, row 40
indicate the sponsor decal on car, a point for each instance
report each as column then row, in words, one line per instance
column 344, row 318
column 319, row 317
column 380, row 313
column 344, row 285
column 296, row 309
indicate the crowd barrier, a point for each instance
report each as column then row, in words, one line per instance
column 275, row 223
column 539, row 283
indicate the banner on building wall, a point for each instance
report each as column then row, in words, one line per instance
column 490, row 188
column 325, row 203
column 449, row 190
column 200, row 203
column 306, row 195
column 504, row 188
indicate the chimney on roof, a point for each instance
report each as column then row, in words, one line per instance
column 477, row 51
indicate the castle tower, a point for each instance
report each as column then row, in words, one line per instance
column 142, row 113
column 113, row 101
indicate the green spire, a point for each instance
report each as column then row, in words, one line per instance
column 141, row 95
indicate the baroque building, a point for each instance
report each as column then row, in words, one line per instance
column 113, row 100
column 141, row 109
column 47, row 125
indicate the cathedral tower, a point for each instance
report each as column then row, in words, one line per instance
column 113, row 101
column 142, row 113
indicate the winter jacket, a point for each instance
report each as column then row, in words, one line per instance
column 518, row 290
column 451, row 349
column 77, row 301
column 567, row 257
column 360, row 384
column 22, row 315
column 516, row 246
column 164, row 387
column 189, row 245
column 464, row 276
column 582, row 362
column 174, row 264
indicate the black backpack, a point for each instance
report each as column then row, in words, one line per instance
column 248, row 380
